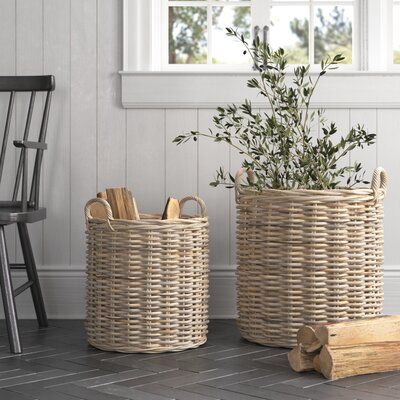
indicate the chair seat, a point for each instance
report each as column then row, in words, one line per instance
column 10, row 214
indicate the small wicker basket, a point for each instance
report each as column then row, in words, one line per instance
column 307, row 256
column 147, row 281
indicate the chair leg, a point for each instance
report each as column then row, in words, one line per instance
column 32, row 275
column 10, row 311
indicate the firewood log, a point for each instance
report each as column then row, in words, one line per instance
column 115, row 198
column 300, row 360
column 102, row 195
column 135, row 208
column 98, row 210
column 172, row 209
column 316, row 363
column 368, row 330
column 343, row 361
column 307, row 338
column 130, row 205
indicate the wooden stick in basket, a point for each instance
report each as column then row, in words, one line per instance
column 122, row 203
column 130, row 205
column 97, row 210
column 172, row 209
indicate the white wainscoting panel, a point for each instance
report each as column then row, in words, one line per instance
column 211, row 157
column 181, row 163
column 83, row 118
column 8, row 42
column 111, row 119
column 368, row 155
column 146, row 158
column 95, row 143
column 388, row 157
column 57, row 161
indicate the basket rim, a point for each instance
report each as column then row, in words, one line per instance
column 149, row 224
column 377, row 190
column 147, row 219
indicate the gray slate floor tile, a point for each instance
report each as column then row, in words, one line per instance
column 131, row 393
column 84, row 393
column 174, row 393
column 156, row 378
column 242, row 377
column 8, row 395
column 218, row 393
column 195, row 378
column 264, row 393
column 35, row 377
column 113, row 378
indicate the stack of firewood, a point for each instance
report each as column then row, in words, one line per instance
column 123, row 205
column 348, row 348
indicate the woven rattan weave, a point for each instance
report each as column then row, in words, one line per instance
column 147, row 282
column 307, row 256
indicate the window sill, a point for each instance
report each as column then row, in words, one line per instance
column 212, row 88
column 345, row 72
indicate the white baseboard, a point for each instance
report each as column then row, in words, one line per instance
column 64, row 293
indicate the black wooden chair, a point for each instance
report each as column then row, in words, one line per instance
column 22, row 209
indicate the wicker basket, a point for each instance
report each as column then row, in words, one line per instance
column 147, row 282
column 307, row 256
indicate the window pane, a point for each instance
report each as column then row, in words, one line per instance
column 187, row 34
column 228, row 50
column 396, row 33
column 333, row 32
column 289, row 30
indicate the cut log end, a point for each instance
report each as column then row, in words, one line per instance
column 317, row 363
column 326, row 363
column 97, row 210
column 299, row 360
column 307, row 338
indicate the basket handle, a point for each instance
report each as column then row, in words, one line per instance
column 238, row 179
column 198, row 200
column 102, row 202
column 379, row 182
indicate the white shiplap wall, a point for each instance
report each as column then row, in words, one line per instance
column 95, row 143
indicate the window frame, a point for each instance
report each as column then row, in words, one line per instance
column 165, row 66
column 356, row 32
column 144, row 36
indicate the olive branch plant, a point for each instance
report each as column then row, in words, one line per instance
column 278, row 144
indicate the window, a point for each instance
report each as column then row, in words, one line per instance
column 189, row 35
column 196, row 31
column 310, row 30
column 307, row 29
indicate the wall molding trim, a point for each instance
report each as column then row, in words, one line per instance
column 64, row 292
column 212, row 89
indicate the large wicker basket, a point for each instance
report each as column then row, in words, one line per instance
column 147, row 282
column 307, row 256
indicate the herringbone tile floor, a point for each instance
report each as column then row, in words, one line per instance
column 58, row 365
